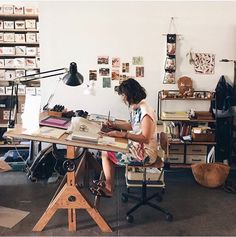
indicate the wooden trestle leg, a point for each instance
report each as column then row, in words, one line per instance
column 70, row 197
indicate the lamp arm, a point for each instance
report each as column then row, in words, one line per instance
column 37, row 76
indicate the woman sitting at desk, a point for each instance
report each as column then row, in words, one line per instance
column 140, row 132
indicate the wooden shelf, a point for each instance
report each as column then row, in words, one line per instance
column 20, row 68
column 192, row 142
column 20, row 30
column 17, row 56
column 19, row 43
column 189, row 98
column 19, row 16
column 189, row 120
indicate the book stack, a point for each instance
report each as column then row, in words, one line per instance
column 181, row 115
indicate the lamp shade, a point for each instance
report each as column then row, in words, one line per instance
column 73, row 77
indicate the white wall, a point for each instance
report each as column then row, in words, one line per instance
column 81, row 31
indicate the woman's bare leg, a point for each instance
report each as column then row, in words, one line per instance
column 109, row 171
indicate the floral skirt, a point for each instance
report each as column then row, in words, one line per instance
column 122, row 159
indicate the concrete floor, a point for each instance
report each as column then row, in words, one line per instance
column 196, row 210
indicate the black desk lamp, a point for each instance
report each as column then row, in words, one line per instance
column 71, row 78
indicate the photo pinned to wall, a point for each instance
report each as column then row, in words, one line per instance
column 204, row 63
column 115, row 62
column 125, row 67
column 137, row 60
column 139, row 72
column 106, row 82
column 115, row 74
column 123, row 77
column 170, row 63
column 103, row 60
column 104, row 71
column 93, row 75
column 169, row 78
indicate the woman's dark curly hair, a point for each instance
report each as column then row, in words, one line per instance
column 133, row 91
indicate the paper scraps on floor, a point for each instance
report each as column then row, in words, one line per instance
column 10, row 217
column 4, row 166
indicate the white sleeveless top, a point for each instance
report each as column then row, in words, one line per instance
column 137, row 115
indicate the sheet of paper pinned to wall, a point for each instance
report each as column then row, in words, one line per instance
column 30, row 117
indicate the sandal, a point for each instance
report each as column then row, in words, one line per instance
column 101, row 192
column 99, row 183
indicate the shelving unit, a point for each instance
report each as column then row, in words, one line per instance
column 19, row 56
column 183, row 153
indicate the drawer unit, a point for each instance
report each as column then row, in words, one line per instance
column 176, row 158
column 194, row 159
column 196, row 149
column 176, row 149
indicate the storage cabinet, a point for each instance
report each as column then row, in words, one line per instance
column 186, row 147
column 19, row 56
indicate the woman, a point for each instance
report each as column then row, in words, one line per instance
column 140, row 132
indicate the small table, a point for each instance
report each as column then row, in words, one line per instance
column 69, row 195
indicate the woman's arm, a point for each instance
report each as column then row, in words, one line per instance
column 144, row 137
column 122, row 125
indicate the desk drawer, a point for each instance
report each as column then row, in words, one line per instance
column 176, row 158
column 197, row 149
column 176, row 149
column 195, row 159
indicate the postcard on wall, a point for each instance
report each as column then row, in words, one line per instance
column 20, row 24
column 30, row 10
column 139, row 71
column 9, row 62
column 104, row 71
column 9, row 37
column 137, row 60
column 106, row 83
column 31, row 51
column 115, row 62
column 19, row 38
column 103, row 60
column 115, row 74
column 123, row 77
column 93, row 75
column 20, row 50
column 2, row 63
column 30, row 62
column 20, row 62
column 8, row 9
column 19, row 10
column 2, row 74
column 20, row 73
column 2, row 90
column 9, row 50
column 204, row 63
column 8, row 25
column 169, row 78
column 30, row 37
column 10, row 75
column 125, row 67
column 30, row 24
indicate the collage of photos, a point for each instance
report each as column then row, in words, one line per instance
column 113, row 69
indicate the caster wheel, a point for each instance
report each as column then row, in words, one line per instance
column 32, row 179
column 124, row 199
column 130, row 218
column 169, row 217
column 159, row 198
